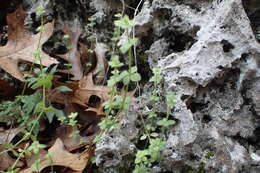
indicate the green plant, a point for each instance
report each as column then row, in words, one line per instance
column 209, row 155
column 119, row 100
column 71, row 121
column 145, row 158
column 90, row 28
column 156, row 140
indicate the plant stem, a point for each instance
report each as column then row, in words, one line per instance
column 25, row 136
column 125, row 90
column 36, row 57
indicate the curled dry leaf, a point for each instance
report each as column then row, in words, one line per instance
column 81, row 92
column 61, row 157
column 74, row 56
column 87, row 88
column 7, row 135
column 22, row 44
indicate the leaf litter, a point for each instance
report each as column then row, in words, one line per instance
column 71, row 154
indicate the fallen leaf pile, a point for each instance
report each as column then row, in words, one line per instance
column 70, row 154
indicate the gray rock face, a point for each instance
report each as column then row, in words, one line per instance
column 209, row 56
column 115, row 152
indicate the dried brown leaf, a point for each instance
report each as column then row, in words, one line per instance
column 6, row 136
column 61, row 157
column 22, row 44
column 74, row 55
column 87, row 88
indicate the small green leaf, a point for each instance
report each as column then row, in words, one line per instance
column 93, row 159
column 124, row 48
column 35, row 166
column 118, row 15
column 154, row 98
column 170, row 99
column 36, row 147
column 108, row 122
column 152, row 115
column 50, row 116
column 141, row 156
column 123, row 74
column 165, row 122
column 157, row 71
column 156, row 79
column 124, row 22
column 126, row 80
column 74, row 134
column 135, row 77
column 73, row 115
column 49, row 109
column 97, row 138
column 114, row 62
column 63, row 89
column 40, row 107
column 111, row 82
column 133, row 69
column 59, row 114
column 143, row 137
column 155, row 135
column 66, row 37
column 40, row 29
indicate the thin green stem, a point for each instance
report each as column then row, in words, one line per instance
column 35, row 57
column 25, row 136
column 19, row 157
column 145, row 129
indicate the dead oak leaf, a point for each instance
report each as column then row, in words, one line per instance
column 22, row 44
column 62, row 158
column 87, row 88
column 7, row 135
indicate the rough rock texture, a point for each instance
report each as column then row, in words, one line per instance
column 209, row 55
column 115, row 151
